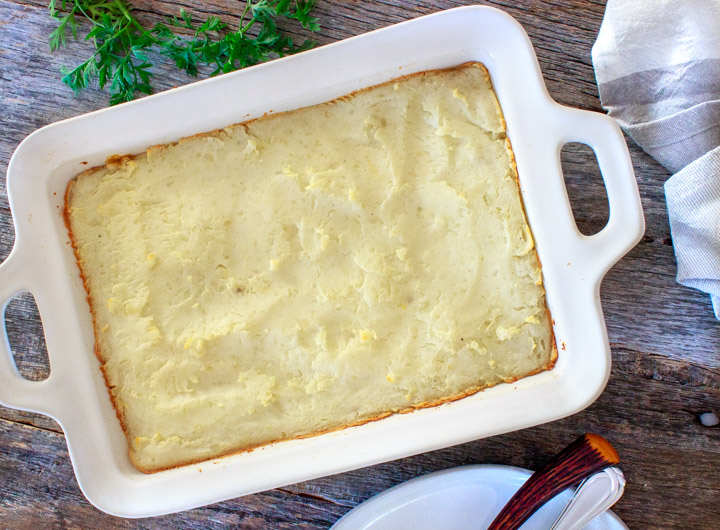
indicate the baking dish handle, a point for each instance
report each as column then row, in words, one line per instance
column 16, row 391
column 626, row 223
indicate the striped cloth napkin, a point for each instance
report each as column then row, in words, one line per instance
column 657, row 65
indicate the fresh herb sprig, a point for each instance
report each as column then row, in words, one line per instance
column 122, row 44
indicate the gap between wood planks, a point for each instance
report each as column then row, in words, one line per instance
column 315, row 496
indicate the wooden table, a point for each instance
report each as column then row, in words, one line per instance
column 665, row 341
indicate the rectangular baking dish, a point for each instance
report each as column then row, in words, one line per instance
column 573, row 265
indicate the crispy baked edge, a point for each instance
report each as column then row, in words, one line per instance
column 119, row 159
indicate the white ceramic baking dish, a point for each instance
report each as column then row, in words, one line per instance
column 573, row 265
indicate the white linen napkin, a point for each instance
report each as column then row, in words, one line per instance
column 657, row 64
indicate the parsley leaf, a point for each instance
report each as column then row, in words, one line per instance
column 121, row 62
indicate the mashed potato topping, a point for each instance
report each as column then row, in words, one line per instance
column 311, row 270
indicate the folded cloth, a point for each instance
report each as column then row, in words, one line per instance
column 657, row 65
column 694, row 206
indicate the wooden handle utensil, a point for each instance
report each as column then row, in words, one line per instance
column 585, row 456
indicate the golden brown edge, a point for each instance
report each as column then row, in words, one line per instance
column 96, row 347
column 513, row 167
column 119, row 159
column 407, row 410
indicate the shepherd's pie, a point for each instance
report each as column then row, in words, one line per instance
column 311, row 270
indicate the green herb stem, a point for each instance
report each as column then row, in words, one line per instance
column 122, row 43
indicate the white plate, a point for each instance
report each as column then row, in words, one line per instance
column 42, row 261
column 458, row 499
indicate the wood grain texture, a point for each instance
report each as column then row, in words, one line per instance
column 665, row 341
